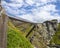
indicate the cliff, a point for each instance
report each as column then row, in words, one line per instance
column 42, row 33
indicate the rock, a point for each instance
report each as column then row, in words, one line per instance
column 44, row 32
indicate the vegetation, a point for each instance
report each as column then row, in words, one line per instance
column 15, row 38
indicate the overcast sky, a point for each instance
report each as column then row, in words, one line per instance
column 33, row 10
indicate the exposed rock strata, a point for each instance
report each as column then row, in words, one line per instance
column 42, row 34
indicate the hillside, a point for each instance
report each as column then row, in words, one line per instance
column 40, row 34
column 27, row 35
column 15, row 38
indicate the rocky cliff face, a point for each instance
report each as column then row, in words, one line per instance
column 50, row 27
column 42, row 33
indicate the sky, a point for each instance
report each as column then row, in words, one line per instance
column 36, row 11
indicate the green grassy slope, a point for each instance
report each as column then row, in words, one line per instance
column 15, row 38
column 56, row 37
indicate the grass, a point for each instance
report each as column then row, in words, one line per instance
column 15, row 39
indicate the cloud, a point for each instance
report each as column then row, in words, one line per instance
column 33, row 10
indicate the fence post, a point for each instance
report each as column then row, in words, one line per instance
column 3, row 30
